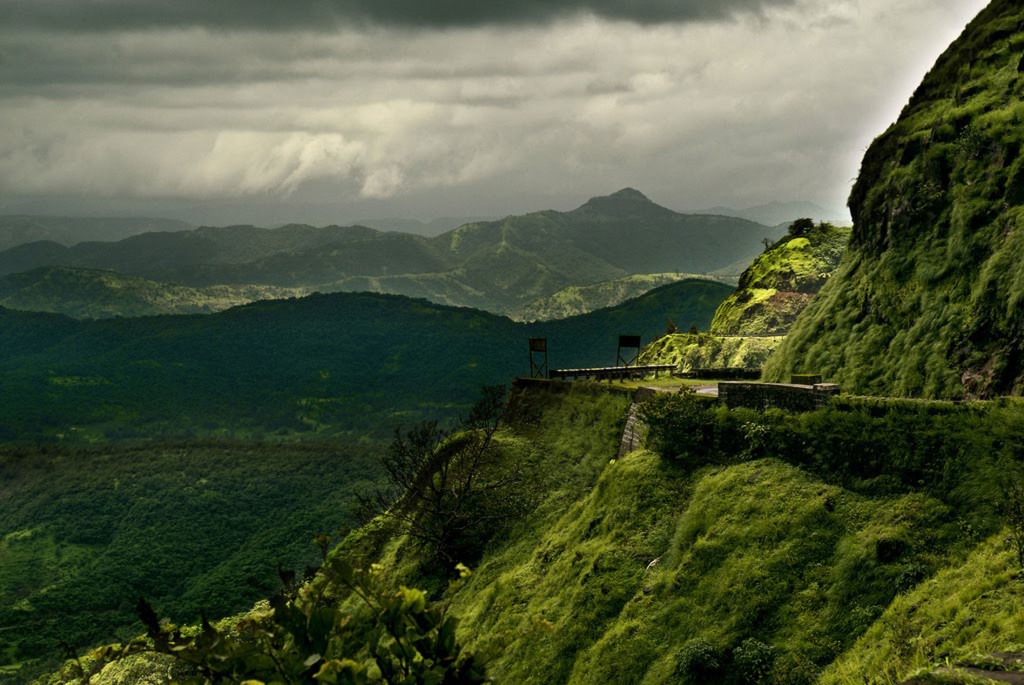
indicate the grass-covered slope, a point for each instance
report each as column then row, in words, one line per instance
column 928, row 299
column 786, row 557
column 750, row 324
column 967, row 612
column 577, row 300
column 690, row 352
column 339, row 364
column 95, row 294
column 780, row 283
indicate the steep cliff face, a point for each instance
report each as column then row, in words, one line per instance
column 928, row 299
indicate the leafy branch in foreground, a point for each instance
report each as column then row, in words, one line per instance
column 395, row 637
column 449, row 490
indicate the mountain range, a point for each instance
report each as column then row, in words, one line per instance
column 493, row 265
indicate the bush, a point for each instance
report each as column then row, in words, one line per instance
column 753, row 661
column 698, row 661
column 681, row 427
column 801, row 227
column 451, row 491
column 395, row 636
column 952, row 452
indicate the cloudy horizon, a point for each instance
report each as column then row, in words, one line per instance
column 324, row 110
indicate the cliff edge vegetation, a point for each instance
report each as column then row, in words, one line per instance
column 751, row 323
column 780, row 283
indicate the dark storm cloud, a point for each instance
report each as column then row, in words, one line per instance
column 101, row 15
column 304, row 102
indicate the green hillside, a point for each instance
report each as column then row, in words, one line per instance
column 581, row 299
column 927, row 301
column 94, row 294
column 342, row 363
column 780, row 283
column 762, row 557
column 494, row 265
column 770, row 551
column 752, row 322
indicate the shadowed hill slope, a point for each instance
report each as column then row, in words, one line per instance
column 348, row 363
column 928, row 299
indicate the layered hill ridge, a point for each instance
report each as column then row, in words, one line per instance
column 97, row 294
column 18, row 229
column 493, row 265
column 928, row 299
column 344, row 363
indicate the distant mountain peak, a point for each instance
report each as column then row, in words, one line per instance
column 629, row 194
column 627, row 200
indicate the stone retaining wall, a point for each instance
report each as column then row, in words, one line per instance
column 763, row 396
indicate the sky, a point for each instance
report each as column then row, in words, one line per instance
column 265, row 111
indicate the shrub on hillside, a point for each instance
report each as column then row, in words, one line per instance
column 681, row 427
column 753, row 661
column 801, row 227
column 698, row 661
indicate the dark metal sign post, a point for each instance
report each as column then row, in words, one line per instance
column 538, row 357
column 628, row 342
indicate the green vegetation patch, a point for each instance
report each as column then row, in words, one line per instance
column 192, row 527
column 707, row 351
column 971, row 608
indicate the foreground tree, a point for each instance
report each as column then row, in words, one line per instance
column 1013, row 510
column 449, row 490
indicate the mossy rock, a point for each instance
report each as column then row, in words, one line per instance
column 780, row 283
